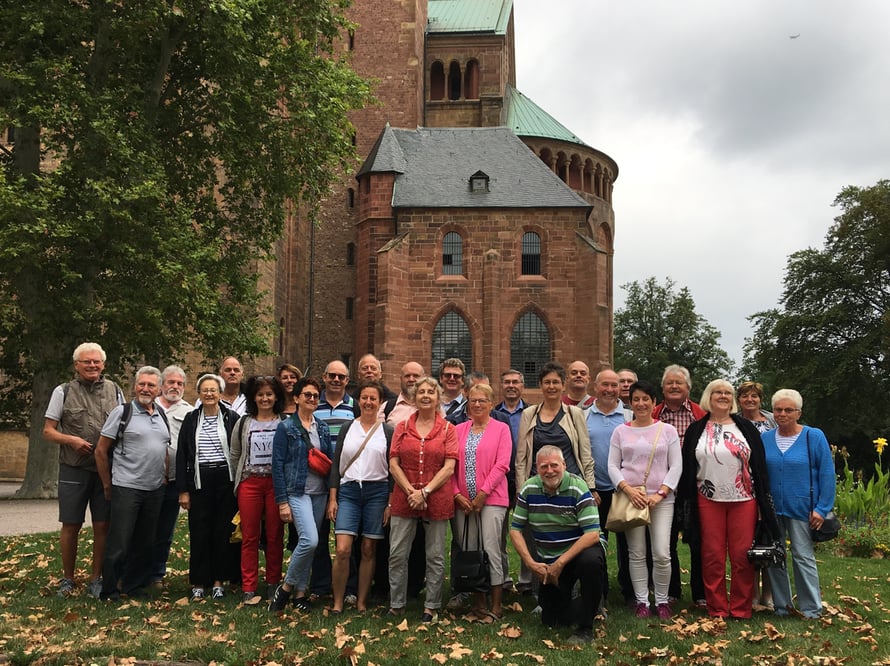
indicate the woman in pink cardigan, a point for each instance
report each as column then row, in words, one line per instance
column 480, row 489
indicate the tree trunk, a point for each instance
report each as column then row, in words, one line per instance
column 42, row 469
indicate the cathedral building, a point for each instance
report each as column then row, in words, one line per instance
column 475, row 225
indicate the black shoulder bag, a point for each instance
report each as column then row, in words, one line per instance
column 832, row 524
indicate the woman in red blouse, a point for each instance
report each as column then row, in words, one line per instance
column 421, row 461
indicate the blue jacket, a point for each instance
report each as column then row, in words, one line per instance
column 791, row 473
column 290, row 456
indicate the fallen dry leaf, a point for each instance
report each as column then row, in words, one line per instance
column 510, row 632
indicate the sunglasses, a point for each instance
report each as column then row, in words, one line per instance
column 309, row 395
column 336, row 375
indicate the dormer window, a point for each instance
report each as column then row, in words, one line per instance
column 479, row 182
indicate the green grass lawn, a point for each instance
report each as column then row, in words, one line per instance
column 36, row 627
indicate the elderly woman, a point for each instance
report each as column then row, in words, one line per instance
column 359, row 493
column 555, row 423
column 645, row 462
column 421, row 461
column 206, row 491
column 750, row 401
column 251, row 463
column 289, row 375
column 479, row 486
column 300, row 492
column 802, row 480
column 725, row 484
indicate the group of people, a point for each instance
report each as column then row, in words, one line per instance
column 390, row 471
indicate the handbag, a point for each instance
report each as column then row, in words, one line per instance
column 470, row 568
column 319, row 462
column 765, row 553
column 623, row 515
column 832, row 524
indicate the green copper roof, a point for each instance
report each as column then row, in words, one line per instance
column 469, row 16
column 526, row 118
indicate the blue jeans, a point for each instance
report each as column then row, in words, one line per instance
column 360, row 508
column 301, row 508
column 806, row 576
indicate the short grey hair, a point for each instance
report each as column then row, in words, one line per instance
column 550, row 450
column 172, row 370
column 789, row 394
column 85, row 347
column 430, row 381
column 147, row 370
column 219, row 381
column 677, row 369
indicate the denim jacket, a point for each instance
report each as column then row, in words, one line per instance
column 290, row 456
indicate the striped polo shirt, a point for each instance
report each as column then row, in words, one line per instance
column 557, row 520
column 336, row 416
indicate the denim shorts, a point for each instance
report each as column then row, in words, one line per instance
column 360, row 508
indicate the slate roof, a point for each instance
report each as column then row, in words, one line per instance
column 449, row 16
column 526, row 118
column 433, row 167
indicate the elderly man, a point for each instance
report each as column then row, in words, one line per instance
column 625, row 379
column 605, row 414
column 371, row 370
column 576, row 385
column 139, row 435
column 172, row 389
column 452, row 373
column 678, row 410
column 402, row 406
column 73, row 420
column 559, row 509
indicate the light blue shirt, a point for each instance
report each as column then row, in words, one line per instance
column 600, row 427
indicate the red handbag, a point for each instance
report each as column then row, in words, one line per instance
column 319, row 462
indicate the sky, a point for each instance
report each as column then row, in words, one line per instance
column 732, row 139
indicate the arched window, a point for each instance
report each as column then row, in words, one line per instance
column 529, row 345
column 452, row 254
column 471, row 80
column 451, row 339
column 437, row 81
column 350, row 198
column 454, row 83
column 531, row 253
column 350, row 254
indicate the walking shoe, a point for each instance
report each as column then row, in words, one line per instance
column 302, row 604
column 66, row 587
column 427, row 617
column 279, row 599
column 247, row 597
column 197, row 593
column 642, row 610
column 664, row 611
column 581, row 637
column 218, row 592
column 95, row 589
column 459, row 600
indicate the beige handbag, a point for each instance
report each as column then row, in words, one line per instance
column 623, row 515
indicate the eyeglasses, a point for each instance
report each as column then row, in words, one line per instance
column 309, row 395
column 90, row 362
column 478, row 401
column 209, row 391
column 336, row 375
column 785, row 410
column 452, row 375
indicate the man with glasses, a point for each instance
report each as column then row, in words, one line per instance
column 73, row 420
column 336, row 408
column 451, row 377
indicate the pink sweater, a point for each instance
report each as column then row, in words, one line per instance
column 492, row 462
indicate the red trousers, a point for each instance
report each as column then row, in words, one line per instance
column 727, row 528
column 256, row 499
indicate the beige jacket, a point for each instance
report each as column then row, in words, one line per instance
column 574, row 425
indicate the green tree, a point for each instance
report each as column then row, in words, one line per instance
column 830, row 335
column 158, row 147
column 658, row 326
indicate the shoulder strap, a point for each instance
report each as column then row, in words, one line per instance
column 361, row 448
column 652, row 453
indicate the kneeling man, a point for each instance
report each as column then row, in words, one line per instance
column 559, row 509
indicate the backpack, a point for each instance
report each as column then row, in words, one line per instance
column 126, row 415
